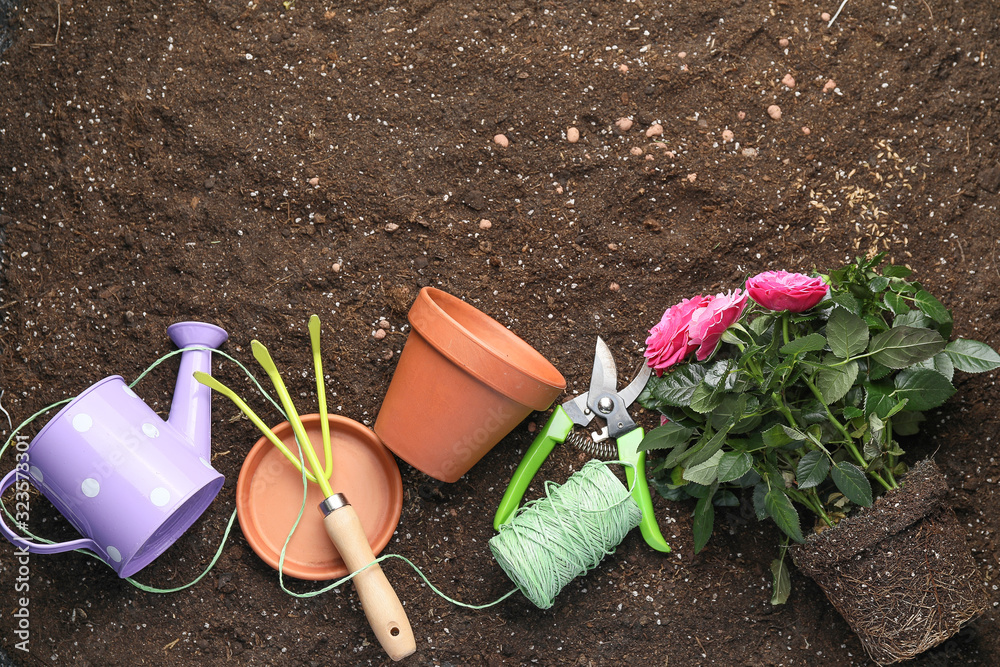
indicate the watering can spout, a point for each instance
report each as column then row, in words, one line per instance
column 191, row 408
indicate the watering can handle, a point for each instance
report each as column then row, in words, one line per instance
column 382, row 606
column 17, row 475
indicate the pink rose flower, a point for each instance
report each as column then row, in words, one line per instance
column 710, row 321
column 668, row 341
column 781, row 290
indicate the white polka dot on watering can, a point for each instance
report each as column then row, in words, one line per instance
column 37, row 475
column 150, row 430
column 114, row 554
column 82, row 422
column 128, row 390
column 160, row 496
column 90, row 487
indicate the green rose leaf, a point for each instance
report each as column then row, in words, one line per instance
column 932, row 308
column 903, row 287
column 725, row 498
column 847, row 333
column 896, row 271
column 747, row 480
column 704, row 521
column 734, row 465
column 668, row 490
column 780, row 508
column 912, row 318
column 877, row 371
column 675, row 456
column 900, row 347
column 812, row 469
column 793, row 434
column 705, row 398
column 810, row 343
column 761, row 324
column 879, row 399
column 852, row 482
column 759, row 493
column 850, row 412
column 694, row 490
column 907, row 422
column 972, row 356
column 897, row 408
column 941, row 363
column 876, row 437
column 668, row 436
column 706, row 472
column 923, row 388
column 813, row 412
column 875, row 322
column 718, row 374
column 706, row 448
column 776, row 436
column 895, row 303
column 674, row 389
column 878, row 283
column 781, row 588
column 729, row 411
column 847, row 301
column 737, row 334
column 834, row 382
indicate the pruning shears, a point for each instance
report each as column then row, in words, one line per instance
column 602, row 400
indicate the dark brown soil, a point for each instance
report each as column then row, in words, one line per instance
column 900, row 574
column 220, row 160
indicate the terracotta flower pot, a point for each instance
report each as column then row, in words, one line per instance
column 900, row 572
column 462, row 383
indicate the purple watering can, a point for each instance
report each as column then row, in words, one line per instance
column 129, row 482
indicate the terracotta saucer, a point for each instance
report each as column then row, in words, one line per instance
column 269, row 495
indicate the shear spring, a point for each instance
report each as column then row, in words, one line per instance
column 606, row 450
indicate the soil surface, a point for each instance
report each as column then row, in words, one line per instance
column 252, row 163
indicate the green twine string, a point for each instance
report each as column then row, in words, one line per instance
column 566, row 533
column 547, row 543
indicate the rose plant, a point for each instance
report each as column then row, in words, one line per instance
column 799, row 396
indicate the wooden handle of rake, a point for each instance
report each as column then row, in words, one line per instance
column 382, row 607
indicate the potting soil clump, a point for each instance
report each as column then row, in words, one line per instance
column 906, row 553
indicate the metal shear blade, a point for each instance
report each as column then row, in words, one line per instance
column 603, row 398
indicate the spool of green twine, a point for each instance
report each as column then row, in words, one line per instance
column 555, row 539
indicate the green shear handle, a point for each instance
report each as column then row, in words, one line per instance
column 556, row 431
column 628, row 452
